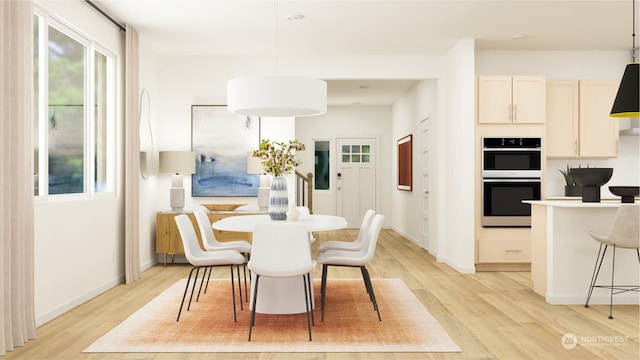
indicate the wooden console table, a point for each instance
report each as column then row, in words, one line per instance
column 169, row 242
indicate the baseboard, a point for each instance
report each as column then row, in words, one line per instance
column 504, row 267
column 596, row 299
column 45, row 318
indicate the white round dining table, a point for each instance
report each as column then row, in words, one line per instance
column 246, row 223
column 280, row 295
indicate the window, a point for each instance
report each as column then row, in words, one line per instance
column 74, row 79
column 356, row 153
column 321, row 154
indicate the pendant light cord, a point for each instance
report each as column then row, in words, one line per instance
column 275, row 37
column 633, row 32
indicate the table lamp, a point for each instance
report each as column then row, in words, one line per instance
column 177, row 163
column 254, row 166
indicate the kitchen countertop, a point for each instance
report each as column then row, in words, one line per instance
column 575, row 203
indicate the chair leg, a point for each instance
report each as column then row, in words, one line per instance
column 313, row 321
column 596, row 271
column 366, row 285
column 244, row 269
column 204, row 275
column 195, row 281
column 253, row 308
column 370, row 286
column 613, row 269
column 306, row 302
column 208, row 278
column 239, row 285
column 233, row 294
column 323, row 288
column 185, row 294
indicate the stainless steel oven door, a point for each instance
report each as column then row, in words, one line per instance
column 502, row 201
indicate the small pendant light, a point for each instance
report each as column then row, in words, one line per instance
column 627, row 100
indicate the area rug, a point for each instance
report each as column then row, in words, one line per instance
column 350, row 325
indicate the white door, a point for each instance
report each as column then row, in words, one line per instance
column 356, row 178
column 424, row 176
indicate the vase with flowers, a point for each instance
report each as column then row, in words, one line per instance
column 278, row 159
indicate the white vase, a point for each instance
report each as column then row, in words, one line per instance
column 278, row 199
column 293, row 214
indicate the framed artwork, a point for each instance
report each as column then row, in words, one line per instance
column 221, row 141
column 405, row 158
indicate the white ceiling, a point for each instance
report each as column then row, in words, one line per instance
column 374, row 27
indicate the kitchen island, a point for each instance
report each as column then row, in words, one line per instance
column 563, row 253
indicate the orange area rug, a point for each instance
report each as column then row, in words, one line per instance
column 350, row 324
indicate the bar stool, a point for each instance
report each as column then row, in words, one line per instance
column 624, row 234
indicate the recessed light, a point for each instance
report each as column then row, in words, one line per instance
column 518, row 37
column 296, row 17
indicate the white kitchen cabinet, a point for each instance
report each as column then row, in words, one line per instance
column 578, row 122
column 511, row 99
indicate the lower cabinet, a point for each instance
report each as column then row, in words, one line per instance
column 169, row 242
column 503, row 249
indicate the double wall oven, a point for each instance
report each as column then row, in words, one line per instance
column 511, row 173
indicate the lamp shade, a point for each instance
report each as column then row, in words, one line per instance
column 626, row 103
column 277, row 96
column 177, row 162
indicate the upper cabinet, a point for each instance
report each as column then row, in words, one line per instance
column 578, row 122
column 511, row 99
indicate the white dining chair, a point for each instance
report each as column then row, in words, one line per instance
column 355, row 245
column 348, row 258
column 624, row 234
column 201, row 259
column 212, row 244
column 281, row 250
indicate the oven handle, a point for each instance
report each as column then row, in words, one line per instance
column 485, row 149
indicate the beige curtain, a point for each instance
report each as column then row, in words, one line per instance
column 16, row 175
column 132, row 159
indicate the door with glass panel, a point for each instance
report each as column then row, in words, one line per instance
column 356, row 178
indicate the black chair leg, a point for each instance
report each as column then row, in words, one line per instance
column 244, row 270
column 253, row 308
column 184, row 296
column 366, row 285
column 239, row 285
column 323, row 288
column 204, row 276
column 206, row 287
column 596, row 271
column 193, row 288
column 233, row 294
column 313, row 321
column 306, row 302
column 373, row 295
column 613, row 269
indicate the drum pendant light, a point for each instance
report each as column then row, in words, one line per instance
column 626, row 103
column 277, row 95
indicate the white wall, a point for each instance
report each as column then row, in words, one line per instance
column 79, row 245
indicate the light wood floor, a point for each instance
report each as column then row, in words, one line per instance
column 490, row 315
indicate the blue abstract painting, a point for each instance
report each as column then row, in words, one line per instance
column 221, row 141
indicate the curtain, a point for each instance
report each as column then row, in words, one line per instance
column 16, row 175
column 132, row 158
